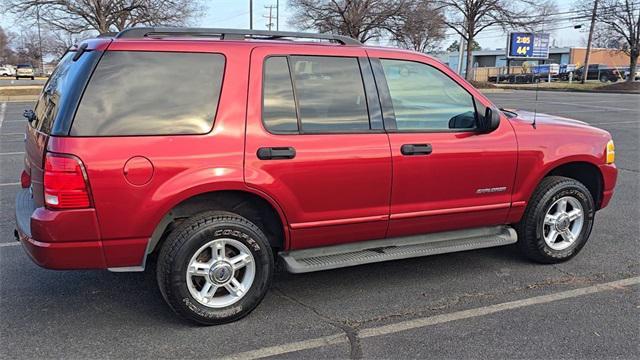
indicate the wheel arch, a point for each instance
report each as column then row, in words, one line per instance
column 256, row 207
column 584, row 172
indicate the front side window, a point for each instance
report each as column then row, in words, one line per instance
column 425, row 99
column 151, row 93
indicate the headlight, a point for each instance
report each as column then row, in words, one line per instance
column 611, row 152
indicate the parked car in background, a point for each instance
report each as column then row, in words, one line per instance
column 321, row 152
column 604, row 73
column 627, row 73
column 6, row 71
column 25, row 71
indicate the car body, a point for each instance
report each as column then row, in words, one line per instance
column 6, row 71
column 601, row 72
column 110, row 182
column 25, row 71
column 627, row 73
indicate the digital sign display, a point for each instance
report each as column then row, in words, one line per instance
column 528, row 45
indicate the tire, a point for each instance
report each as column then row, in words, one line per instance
column 191, row 238
column 604, row 78
column 33, row 78
column 533, row 228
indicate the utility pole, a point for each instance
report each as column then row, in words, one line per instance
column 270, row 17
column 585, row 69
column 460, row 55
column 250, row 14
column 277, row 15
column 39, row 38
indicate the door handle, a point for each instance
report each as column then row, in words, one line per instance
column 276, row 153
column 416, row 149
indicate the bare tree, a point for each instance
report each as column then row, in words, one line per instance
column 360, row 19
column 421, row 26
column 470, row 17
column 620, row 20
column 76, row 16
column 6, row 54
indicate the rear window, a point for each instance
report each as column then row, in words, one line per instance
column 151, row 93
column 24, row 66
column 59, row 95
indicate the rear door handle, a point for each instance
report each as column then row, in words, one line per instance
column 276, row 153
column 416, row 149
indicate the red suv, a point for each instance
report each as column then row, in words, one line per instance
column 215, row 152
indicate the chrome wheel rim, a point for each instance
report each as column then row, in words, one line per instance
column 563, row 223
column 220, row 273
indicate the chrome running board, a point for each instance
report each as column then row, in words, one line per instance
column 333, row 257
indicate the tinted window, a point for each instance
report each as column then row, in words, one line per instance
column 151, row 93
column 279, row 108
column 60, row 88
column 426, row 99
column 330, row 94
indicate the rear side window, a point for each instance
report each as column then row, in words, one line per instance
column 279, row 108
column 151, row 93
column 329, row 93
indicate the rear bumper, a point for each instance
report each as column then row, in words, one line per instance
column 41, row 232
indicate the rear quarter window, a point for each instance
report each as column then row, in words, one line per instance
column 151, row 93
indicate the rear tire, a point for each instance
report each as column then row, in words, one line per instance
column 215, row 268
column 557, row 221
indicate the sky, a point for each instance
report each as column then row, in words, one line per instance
column 235, row 14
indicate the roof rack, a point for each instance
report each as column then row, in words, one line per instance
column 228, row 34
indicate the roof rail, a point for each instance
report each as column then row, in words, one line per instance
column 229, row 34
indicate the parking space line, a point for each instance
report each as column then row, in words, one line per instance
column 12, row 153
column 433, row 320
column 10, row 184
column 15, row 243
column 3, row 109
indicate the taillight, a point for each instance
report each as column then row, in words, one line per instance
column 65, row 182
column 25, row 179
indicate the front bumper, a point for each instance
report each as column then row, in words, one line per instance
column 609, row 176
column 40, row 232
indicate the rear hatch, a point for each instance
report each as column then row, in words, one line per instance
column 54, row 111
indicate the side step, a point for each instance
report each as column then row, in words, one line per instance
column 333, row 257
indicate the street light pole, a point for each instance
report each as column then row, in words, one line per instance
column 585, row 69
column 39, row 38
column 251, row 14
column 277, row 15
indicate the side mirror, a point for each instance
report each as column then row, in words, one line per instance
column 491, row 120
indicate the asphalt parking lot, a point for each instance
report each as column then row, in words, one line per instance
column 479, row 304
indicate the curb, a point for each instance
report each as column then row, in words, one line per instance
column 594, row 91
column 18, row 98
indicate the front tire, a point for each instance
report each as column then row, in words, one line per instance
column 215, row 268
column 557, row 221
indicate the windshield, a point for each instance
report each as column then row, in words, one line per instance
column 24, row 66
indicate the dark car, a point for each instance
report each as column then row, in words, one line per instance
column 604, row 73
column 216, row 152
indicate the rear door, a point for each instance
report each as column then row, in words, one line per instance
column 315, row 142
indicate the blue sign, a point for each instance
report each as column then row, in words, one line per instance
column 528, row 45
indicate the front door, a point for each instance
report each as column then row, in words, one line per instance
column 446, row 174
column 315, row 143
